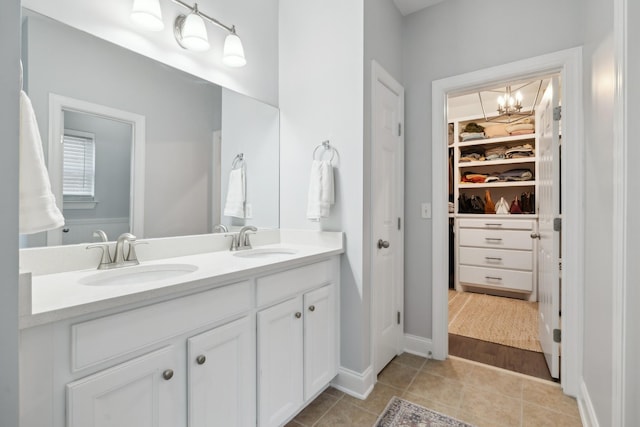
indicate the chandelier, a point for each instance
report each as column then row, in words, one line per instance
column 510, row 108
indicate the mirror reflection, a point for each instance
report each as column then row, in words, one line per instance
column 192, row 131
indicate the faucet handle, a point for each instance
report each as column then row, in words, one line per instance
column 234, row 241
column 101, row 235
column 131, row 255
column 106, row 255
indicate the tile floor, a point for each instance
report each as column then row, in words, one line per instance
column 478, row 394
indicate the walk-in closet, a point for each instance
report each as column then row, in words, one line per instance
column 504, row 192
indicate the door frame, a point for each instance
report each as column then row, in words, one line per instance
column 567, row 63
column 379, row 74
column 59, row 103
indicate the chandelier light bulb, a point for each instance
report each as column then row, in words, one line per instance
column 233, row 55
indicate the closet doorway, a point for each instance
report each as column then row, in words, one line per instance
column 503, row 195
column 567, row 65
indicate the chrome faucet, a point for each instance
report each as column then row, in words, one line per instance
column 101, row 235
column 243, row 237
column 119, row 258
column 220, row 228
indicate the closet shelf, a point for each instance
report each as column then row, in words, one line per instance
column 489, row 141
column 478, row 163
column 497, row 184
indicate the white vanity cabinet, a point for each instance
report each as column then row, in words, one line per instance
column 297, row 343
column 141, row 392
column 189, row 360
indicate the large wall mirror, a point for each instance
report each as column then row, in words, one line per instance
column 160, row 143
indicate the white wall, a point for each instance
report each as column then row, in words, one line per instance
column 321, row 97
column 256, row 22
column 181, row 114
column 252, row 128
column 9, row 116
column 441, row 42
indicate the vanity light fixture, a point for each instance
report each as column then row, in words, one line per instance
column 191, row 33
column 147, row 14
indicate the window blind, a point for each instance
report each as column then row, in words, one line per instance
column 78, row 166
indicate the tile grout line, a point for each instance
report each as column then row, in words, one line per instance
column 338, row 399
column 458, row 313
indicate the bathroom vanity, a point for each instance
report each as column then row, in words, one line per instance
column 203, row 337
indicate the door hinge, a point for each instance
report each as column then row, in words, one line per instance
column 399, row 223
column 557, row 113
column 399, row 129
column 398, row 318
column 557, row 224
column 557, row 335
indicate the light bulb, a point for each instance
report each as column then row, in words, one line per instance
column 147, row 14
column 233, row 55
column 194, row 33
column 519, row 97
column 501, row 101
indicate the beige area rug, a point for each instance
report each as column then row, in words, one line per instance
column 500, row 320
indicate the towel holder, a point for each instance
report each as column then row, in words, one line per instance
column 327, row 146
column 238, row 160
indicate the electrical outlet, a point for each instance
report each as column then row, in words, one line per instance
column 426, row 210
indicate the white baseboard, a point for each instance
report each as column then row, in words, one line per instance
column 418, row 346
column 355, row 384
column 585, row 406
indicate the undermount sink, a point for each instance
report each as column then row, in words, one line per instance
column 265, row 253
column 138, row 274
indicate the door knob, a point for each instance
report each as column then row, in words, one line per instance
column 535, row 235
column 201, row 359
column 383, row 244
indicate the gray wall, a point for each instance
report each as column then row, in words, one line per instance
column 599, row 78
column 181, row 114
column 9, row 116
column 448, row 39
column 112, row 167
column 632, row 300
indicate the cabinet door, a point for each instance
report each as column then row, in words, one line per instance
column 279, row 362
column 144, row 392
column 320, row 349
column 222, row 376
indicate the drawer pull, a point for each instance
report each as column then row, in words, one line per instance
column 492, row 278
column 298, row 315
column 493, row 258
column 201, row 359
column 493, row 239
column 487, row 224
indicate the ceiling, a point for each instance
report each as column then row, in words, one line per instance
column 409, row 6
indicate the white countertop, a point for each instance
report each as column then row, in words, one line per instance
column 61, row 295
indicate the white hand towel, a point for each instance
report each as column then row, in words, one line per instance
column 321, row 190
column 38, row 210
column 236, row 196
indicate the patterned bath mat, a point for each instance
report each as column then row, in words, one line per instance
column 401, row 413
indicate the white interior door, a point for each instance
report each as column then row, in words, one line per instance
column 387, row 199
column 548, row 199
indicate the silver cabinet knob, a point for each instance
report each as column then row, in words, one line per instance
column 312, row 308
column 167, row 374
column 298, row 315
column 383, row 244
column 535, row 235
column 201, row 359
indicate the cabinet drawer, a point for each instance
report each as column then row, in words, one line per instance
column 275, row 287
column 496, row 278
column 515, row 260
column 499, row 239
column 103, row 339
column 497, row 223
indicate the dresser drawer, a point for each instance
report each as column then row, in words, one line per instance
column 498, row 239
column 515, row 260
column 496, row 278
column 497, row 223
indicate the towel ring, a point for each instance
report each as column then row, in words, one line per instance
column 238, row 160
column 327, row 146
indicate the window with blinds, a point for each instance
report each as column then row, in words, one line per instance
column 79, row 162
